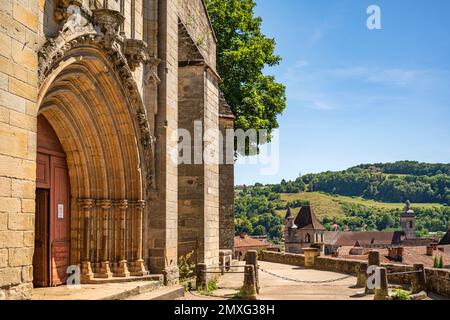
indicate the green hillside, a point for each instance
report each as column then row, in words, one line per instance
column 365, row 197
column 332, row 205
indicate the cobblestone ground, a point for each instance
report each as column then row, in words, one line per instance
column 274, row 288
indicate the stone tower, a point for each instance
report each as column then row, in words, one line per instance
column 408, row 221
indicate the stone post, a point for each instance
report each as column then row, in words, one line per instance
column 86, row 206
column 362, row 275
column 382, row 292
column 251, row 258
column 122, row 270
column 139, row 265
column 105, row 270
column 249, row 289
column 201, row 276
column 310, row 256
column 418, row 283
column 374, row 260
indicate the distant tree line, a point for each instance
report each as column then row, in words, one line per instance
column 390, row 182
column 362, row 218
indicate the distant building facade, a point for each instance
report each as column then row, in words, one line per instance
column 305, row 231
column 244, row 243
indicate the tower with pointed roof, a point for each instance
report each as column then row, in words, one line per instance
column 408, row 221
column 303, row 232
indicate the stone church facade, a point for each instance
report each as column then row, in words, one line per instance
column 92, row 94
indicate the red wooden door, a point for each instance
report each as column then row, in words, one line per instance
column 59, row 220
column 51, row 257
column 40, row 270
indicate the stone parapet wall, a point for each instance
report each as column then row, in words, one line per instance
column 283, row 258
column 437, row 280
column 346, row 266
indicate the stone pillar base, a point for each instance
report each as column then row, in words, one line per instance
column 105, row 271
column 122, row 270
column 86, row 271
column 171, row 275
column 139, row 269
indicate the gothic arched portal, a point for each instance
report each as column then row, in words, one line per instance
column 89, row 97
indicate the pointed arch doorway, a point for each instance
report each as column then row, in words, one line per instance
column 52, row 231
column 103, row 133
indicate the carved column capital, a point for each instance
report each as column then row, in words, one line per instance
column 86, row 204
column 104, row 204
column 122, row 204
column 136, row 52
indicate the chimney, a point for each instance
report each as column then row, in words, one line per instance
column 430, row 251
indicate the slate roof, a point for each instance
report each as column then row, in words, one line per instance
column 307, row 219
column 446, row 239
column 224, row 107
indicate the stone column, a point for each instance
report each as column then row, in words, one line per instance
column 162, row 215
column 373, row 260
column 139, row 264
column 226, row 176
column 105, row 270
column 249, row 290
column 86, row 206
column 362, row 276
column 198, row 176
column 251, row 258
column 382, row 292
column 201, row 281
column 122, row 270
column 310, row 256
column 418, row 283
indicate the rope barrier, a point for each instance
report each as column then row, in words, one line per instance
column 218, row 272
column 304, row 281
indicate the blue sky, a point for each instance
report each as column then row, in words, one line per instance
column 356, row 95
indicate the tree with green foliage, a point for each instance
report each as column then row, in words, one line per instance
column 441, row 263
column 260, row 230
column 243, row 52
column 436, row 263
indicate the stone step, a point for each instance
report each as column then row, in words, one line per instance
column 147, row 287
column 163, row 293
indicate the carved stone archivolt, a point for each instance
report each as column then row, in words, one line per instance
column 101, row 28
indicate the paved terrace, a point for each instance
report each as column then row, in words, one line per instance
column 274, row 288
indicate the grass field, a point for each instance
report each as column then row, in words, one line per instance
column 331, row 205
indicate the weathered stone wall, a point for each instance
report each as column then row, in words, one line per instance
column 226, row 189
column 346, row 266
column 211, row 152
column 195, row 18
column 198, row 180
column 19, row 26
column 283, row 258
column 438, row 281
column 163, row 214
